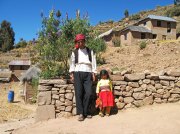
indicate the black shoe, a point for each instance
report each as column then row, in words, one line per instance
column 81, row 117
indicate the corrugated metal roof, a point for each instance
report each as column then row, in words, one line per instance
column 138, row 29
column 161, row 18
column 20, row 62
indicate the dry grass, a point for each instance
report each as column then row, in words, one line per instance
column 10, row 111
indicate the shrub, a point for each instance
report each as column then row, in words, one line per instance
column 56, row 42
column 142, row 44
column 116, row 41
column 135, row 17
column 173, row 11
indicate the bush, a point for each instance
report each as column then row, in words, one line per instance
column 135, row 17
column 173, row 11
column 142, row 44
column 116, row 41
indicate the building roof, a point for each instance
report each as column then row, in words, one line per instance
column 137, row 29
column 105, row 33
column 20, row 62
column 155, row 17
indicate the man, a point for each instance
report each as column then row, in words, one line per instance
column 82, row 71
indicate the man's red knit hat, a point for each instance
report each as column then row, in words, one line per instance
column 80, row 37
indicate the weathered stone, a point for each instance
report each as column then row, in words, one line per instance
column 146, row 81
column 134, row 77
column 128, row 100
column 148, row 93
column 69, row 96
column 148, row 100
column 127, row 94
column 62, row 90
column 44, row 98
column 117, row 88
column 174, row 73
column 116, row 73
column 45, row 112
column 138, row 103
column 120, row 105
column 158, row 100
column 175, row 90
column 55, row 96
column 53, row 102
column 121, row 99
column 158, row 86
column 60, row 86
column 166, row 94
column 160, row 91
column 74, row 111
column 59, row 103
column 129, row 105
column 120, row 83
column 68, row 109
column 55, row 92
column 164, row 82
column 44, row 88
column 62, row 99
column 167, row 78
column 139, row 96
column 177, row 84
column 68, row 102
column 117, row 77
column 140, row 82
column 137, row 89
column 151, row 88
column 70, row 87
column 55, row 89
column 156, row 95
column 133, row 84
column 128, row 88
column 116, row 92
column 54, row 81
column 153, row 76
column 152, row 82
column 61, row 108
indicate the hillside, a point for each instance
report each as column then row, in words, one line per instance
column 155, row 57
column 161, row 11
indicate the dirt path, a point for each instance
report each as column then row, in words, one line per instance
column 156, row 119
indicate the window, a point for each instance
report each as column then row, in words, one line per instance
column 125, row 36
column 158, row 23
column 168, row 27
column 154, row 36
column 144, row 23
column 164, row 37
column 143, row 35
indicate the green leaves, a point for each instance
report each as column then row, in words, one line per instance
column 6, row 36
column 57, row 37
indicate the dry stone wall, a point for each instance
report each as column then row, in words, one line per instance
column 56, row 97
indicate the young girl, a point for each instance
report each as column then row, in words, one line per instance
column 104, row 92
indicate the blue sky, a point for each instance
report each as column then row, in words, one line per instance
column 24, row 15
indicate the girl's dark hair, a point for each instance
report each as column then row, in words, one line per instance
column 104, row 72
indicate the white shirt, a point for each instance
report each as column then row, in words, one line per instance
column 83, row 65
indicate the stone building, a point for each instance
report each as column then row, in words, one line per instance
column 151, row 27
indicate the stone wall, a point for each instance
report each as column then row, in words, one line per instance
column 56, row 97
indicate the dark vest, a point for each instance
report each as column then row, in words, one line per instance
column 76, row 54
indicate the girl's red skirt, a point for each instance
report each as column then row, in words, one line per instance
column 107, row 98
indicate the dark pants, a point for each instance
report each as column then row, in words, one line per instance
column 83, row 91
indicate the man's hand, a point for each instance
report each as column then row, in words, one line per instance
column 72, row 76
column 93, row 76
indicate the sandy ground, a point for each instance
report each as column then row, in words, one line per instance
column 155, row 119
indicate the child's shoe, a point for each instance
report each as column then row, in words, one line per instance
column 101, row 114
column 107, row 114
